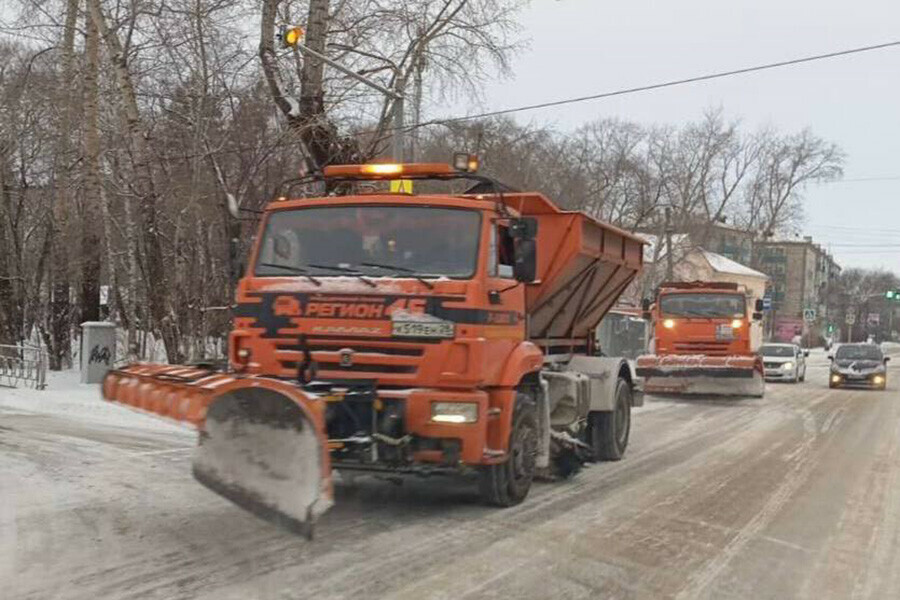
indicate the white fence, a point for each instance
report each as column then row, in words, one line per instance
column 23, row 365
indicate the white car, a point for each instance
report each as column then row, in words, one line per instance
column 784, row 362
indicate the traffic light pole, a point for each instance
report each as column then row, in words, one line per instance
column 399, row 142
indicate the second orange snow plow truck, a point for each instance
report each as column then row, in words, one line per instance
column 424, row 334
column 702, row 341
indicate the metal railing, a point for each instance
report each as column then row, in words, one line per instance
column 23, row 365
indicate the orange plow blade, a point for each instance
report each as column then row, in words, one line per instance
column 262, row 441
column 700, row 374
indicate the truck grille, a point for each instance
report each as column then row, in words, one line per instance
column 370, row 358
column 704, row 347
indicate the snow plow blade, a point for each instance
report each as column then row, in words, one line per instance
column 702, row 375
column 262, row 442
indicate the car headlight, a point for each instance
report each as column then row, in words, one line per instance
column 878, row 379
column 787, row 366
column 736, row 324
column 835, row 378
column 669, row 323
column 454, row 412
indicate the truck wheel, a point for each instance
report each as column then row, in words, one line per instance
column 507, row 483
column 608, row 430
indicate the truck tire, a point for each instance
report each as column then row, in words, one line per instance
column 608, row 431
column 507, row 483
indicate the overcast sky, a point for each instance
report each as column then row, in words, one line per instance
column 580, row 47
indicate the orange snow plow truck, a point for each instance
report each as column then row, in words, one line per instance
column 703, row 341
column 388, row 332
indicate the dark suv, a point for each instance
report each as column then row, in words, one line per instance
column 858, row 365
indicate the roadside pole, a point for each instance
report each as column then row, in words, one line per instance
column 669, row 260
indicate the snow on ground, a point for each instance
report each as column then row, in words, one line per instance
column 66, row 397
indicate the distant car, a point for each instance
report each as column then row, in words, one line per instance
column 784, row 362
column 863, row 365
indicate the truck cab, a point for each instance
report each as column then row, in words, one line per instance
column 703, row 341
column 711, row 319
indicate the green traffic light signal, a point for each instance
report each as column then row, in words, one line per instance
column 890, row 294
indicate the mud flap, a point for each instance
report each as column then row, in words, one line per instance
column 262, row 441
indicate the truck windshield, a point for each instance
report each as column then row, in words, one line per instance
column 780, row 351
column 730, row 306
column 377, row 240
column 860, row 352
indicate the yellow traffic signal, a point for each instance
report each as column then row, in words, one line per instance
column 290, row 35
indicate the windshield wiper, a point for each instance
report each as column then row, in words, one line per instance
column 400, row 269
column 340, row 269
column 292, row 269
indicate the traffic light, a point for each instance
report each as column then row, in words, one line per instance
column 830, row 328
column 290, row 35
column 892, row 295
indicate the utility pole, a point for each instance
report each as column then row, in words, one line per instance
column 669, row 259
column 417, row 99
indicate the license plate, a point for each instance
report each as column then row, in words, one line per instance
column 426, row 329
column 724, row 332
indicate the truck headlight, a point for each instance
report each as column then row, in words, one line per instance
column 787, row 366
column 736, row 323
column 454, row 412
column 669, row 323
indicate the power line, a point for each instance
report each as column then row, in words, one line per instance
column 666, row 84
column 840, row 245
column 861, row 179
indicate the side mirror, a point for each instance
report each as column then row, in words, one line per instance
column 757, row 316
column 887, row 358
column 806, row 353
column 525, row 267
column 235, row 260
column 830, row 357
column 645, row 309
column 523, row 228
column 759, row 306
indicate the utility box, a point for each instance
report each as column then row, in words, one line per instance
column 98, row 350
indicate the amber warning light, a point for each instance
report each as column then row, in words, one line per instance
column 392, row 170
column 290, row 35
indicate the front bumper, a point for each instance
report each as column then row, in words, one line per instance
column 780, row 374
column 402, row 437
column 866, row 380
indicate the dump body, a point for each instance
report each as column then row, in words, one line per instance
column 395, row 324
column 702, row 342
column 584, row 265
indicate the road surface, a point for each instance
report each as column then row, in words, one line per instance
column 796, row 495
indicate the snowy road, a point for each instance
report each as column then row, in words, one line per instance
column 793, row 496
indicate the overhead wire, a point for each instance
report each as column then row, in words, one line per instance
column 672, row 83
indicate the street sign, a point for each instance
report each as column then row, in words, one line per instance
column 767, row 302
column 809, row 315
column 851, row 319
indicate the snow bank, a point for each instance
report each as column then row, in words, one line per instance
column 66, row 397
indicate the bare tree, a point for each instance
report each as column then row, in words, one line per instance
column 786, row 164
